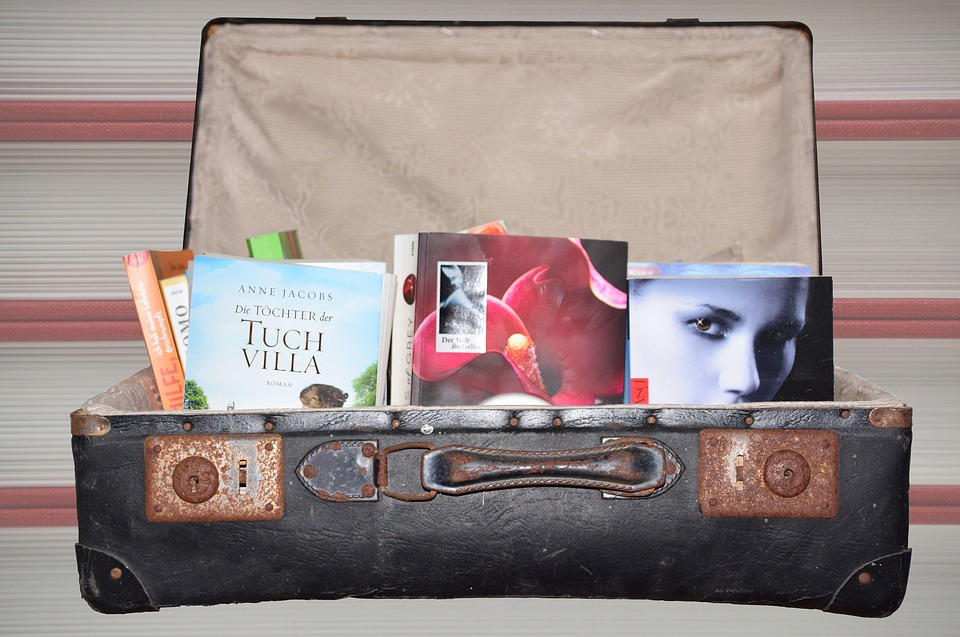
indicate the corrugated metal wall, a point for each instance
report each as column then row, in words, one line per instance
column 95, row 118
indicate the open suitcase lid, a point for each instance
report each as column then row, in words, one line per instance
column 692, row 141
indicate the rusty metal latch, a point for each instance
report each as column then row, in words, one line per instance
column 777, row 473
column 213, row 478
column 341, row 471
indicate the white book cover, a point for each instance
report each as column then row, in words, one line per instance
column 405, row 250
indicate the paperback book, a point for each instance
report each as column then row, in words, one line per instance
column 727, row 340
column 281, row 335
column 176, row 298
column 145, row 270
column 405, row 251
column 509, row 319
column 275, row 246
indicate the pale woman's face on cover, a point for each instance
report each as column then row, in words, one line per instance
column 716, row 341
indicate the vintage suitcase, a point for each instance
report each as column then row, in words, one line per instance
column 692, row 141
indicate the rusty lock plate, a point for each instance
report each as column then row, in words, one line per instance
column 776, row 473
column 214, row 478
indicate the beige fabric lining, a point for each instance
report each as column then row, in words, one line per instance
column 690, row 143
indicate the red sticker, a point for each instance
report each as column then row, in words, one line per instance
column 639, row 393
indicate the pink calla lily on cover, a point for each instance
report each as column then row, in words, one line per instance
column 555, row 331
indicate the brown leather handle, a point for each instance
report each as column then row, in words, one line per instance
column 626, row 466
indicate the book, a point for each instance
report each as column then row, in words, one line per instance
column 405, row 250
column 732, row 268
column 275, row 246
column 267, row 335
column 518, row 319
column 176, row 301
column 727, row 340
column 145, row 269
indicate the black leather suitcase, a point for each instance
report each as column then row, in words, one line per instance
column 692, row 141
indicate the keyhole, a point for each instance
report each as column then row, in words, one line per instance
column 738, row 464
column 242, row 471
column 194, row 482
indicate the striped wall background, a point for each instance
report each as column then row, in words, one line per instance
column 96, row 116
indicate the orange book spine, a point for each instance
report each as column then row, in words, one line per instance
column 157, row 334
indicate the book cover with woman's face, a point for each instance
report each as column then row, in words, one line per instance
column 726, row 340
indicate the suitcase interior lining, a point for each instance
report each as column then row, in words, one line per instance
column 692, row 143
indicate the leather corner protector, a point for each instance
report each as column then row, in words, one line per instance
column 876, row 589
column 84, row 424
column 892, row 417
column 108, row 585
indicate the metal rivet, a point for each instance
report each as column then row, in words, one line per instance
column 156, row 449
column 514, row 421
column 670, row 468
column 651, row 420
column 268, row 426
column 748, row 420
column 269, row 506
column 395, row 423
column 845, row 414
column 557, row 421
column 368, row 490
column 368, row 450
column 187, row 426
column 268, row 446
column 309, row 471
column 712, row 502
column 426, row 429
column 864, row 578
column 116, row 573
column 158, row 508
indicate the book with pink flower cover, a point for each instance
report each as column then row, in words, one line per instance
column 405, row 247
column 511, row 319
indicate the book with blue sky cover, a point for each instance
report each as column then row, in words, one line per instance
column 281, row 335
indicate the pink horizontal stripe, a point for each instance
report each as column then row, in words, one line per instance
column 95, row 111
column 889, row 129
column 879, row 328
column 68, row 310
column 173, row 121
column 935, row 504
column 56, row 506
column 98, row 320
column 935, row 495
column 887, row 109
column 19, row 518
column 96, row 131
column 38, row 506
column 39, row 331
column 37, row 497
column 915, row 309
